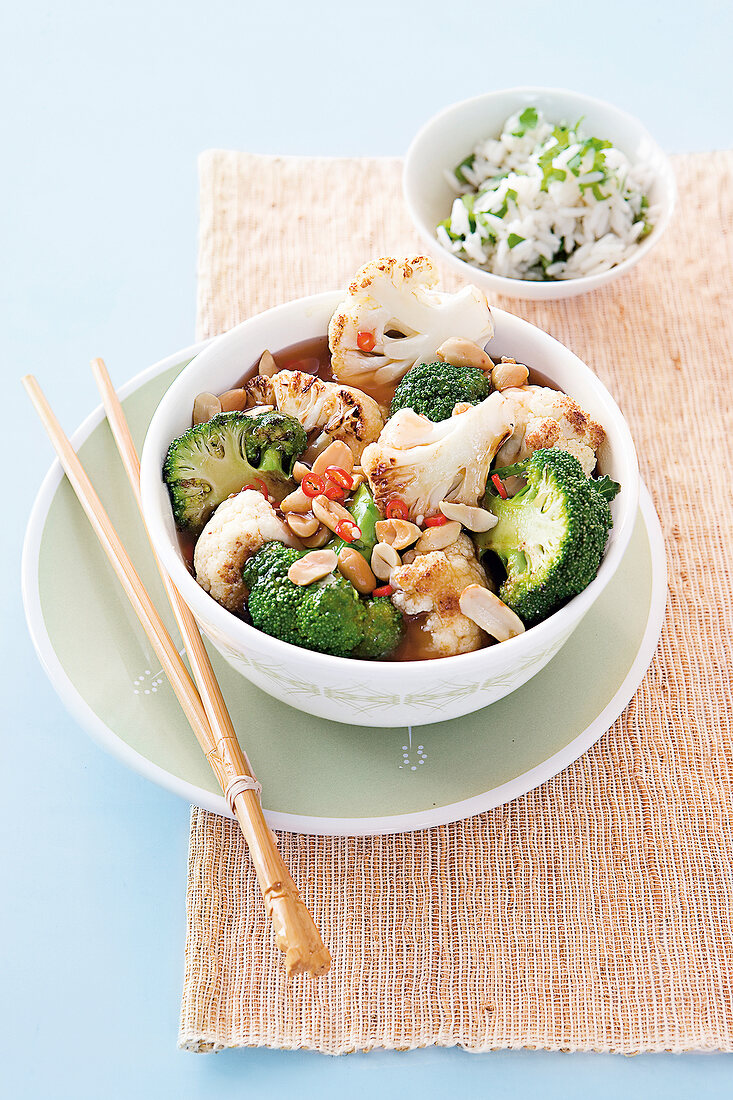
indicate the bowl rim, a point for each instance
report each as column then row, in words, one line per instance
column 505, row 283
column 240, row 635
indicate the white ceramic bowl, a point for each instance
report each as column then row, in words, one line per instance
column 379, row 693
column 451, row 135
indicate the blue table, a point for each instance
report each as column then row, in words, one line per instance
column 112, row 106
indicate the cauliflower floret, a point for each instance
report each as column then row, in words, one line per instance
column 339, row 411
column 432, row 584
column 239, row 526
column 395, row 301
column 424, row 462
column 549, row 418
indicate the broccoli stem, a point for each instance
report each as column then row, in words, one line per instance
column 272, row 460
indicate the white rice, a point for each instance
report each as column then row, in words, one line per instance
column 546, row 202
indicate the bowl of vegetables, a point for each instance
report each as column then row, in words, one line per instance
column 538, row 192
column 389, row 505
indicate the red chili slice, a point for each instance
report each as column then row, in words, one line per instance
column 499, row 486
column 396, row 509
column 385, row 590
column 346, row 531
column 435, row 521
column 334, row 491
column 365, row 341
column 339, row 476
column 313, row 485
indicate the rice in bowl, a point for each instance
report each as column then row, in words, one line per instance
column 545, row 202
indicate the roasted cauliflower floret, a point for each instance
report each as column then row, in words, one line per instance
column 238, row 528
column 422, row 462
column 395, row 307
column 431, row 584
column 339, row 411
column 549, row 418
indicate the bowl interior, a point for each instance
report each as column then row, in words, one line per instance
column 451, row 135
column 226, row 359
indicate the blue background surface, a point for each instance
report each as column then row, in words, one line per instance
column 105, row 111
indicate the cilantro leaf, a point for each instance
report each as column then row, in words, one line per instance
column 527, row 121
column 514, row 239
column 467, row 162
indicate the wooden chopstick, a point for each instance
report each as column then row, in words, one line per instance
column 295, row 933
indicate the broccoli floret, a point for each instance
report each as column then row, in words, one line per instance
column 273, row 600
column 275, row 442
column 328, row 616
column 382, row 631
column 551, row 535
column 273, row 557
column 433, row 389
column 331, row 617
column 212, row 460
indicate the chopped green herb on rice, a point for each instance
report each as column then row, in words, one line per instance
column 546, row 202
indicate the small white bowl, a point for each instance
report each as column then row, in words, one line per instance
column 451, row 135
column 379, row 693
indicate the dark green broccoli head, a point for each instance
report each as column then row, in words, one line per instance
column 551, row 535
column 331, row 617
column 273, row 599
column 433, row 389
column 383, row 629
column 275, row 442
column 328, row 616
column 274, row 558
column 213, row 460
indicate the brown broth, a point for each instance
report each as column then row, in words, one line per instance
column 312, row 356
column 303, row 356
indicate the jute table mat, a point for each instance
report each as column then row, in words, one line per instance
column 595, row 913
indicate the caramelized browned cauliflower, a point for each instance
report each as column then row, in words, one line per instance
column 339, row 411
column 431, row 584
column 549, row 418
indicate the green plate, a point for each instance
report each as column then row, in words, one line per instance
column 318, row 776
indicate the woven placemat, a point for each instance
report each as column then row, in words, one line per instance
column 596, row 912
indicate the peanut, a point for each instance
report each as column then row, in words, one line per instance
column 397, row 532
column 233, row 401
column 296, row 501
column 354, row 568
column 328, row 511
column 473, row 519
column 437, row 538
column 336, row 454
column 313, row 567
column 490, row 613
column 267, row 366
column 302, row 526
column 509, row 373
column 463, row 353
column 205, row 406
column 384, row 559
column 320, row 538
column 299, row 471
